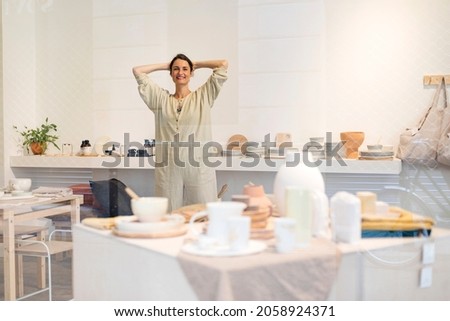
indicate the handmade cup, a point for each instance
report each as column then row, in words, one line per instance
column 149, row 209
column 218, row 214
column 285, row 228
column 353, row 140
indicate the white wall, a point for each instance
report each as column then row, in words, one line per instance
column 298, row 66
column 376, row 56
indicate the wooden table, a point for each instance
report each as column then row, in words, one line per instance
column 21, row 210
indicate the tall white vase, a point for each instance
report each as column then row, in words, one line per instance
column 306, row 178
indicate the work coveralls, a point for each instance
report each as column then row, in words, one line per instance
column 180, row 172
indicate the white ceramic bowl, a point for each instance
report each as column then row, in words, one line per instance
column 149, row 209
column 319, row 140
column 375, row 147
column 20, row 184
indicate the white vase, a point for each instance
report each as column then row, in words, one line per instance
column 307, row 178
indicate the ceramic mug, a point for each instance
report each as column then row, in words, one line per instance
column 285, row 228
column 218, row 214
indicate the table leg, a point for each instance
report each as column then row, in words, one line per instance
column 41, row 263
column 19, row 273
column 9, row 272
column 75, row 210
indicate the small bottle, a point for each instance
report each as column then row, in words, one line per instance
column 147, row 148
column 83, row 144
column 86, row 148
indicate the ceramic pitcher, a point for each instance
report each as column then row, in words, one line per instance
column 306, row 178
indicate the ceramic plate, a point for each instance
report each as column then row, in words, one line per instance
column 376, row 154
column 8, row 197
column 253, row 248
column 168, row 223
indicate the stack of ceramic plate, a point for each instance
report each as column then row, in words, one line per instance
column 259, row 219
column 376, row 154
column 258, row 216
column 263, row 233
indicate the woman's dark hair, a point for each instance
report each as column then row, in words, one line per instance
column 182, row 57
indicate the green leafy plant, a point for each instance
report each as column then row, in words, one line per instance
column 42, row 135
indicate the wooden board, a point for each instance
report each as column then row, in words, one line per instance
column 171, row 233
column 189, row 210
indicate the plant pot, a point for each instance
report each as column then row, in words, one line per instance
column 38, row 148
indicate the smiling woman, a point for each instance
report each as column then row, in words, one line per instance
column 183, row 126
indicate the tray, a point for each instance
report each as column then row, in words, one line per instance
column 131, row 224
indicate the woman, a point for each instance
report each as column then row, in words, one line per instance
column 182, row 119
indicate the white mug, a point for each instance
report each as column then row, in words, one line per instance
column 238, row 232
column 218, row 214
column 285, row 234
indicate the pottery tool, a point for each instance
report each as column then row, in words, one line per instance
column 131, row 193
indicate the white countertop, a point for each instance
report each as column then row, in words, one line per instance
column 235, row 163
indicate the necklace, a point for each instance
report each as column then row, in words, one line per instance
column 180, row 105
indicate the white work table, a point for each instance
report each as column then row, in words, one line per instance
column 107, row 267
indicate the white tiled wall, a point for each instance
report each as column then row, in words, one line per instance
column 298, row 66
column 377, row 54
column 280, row 68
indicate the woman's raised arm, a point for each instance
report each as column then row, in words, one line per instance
column 222, row 63
column 146, row 69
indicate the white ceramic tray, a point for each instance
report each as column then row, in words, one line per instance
column 253, row 248
column 131, row 224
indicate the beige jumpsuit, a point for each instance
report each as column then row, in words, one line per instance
column 180, row 174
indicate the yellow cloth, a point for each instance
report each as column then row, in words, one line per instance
column 398, row 219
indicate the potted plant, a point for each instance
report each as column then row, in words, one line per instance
column 37, row 139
